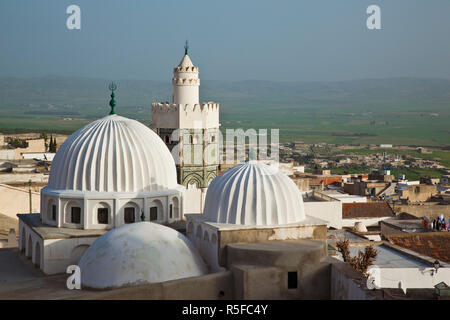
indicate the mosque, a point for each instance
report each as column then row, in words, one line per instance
column 116, row 192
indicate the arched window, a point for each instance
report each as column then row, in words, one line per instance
column 75, row 215
column 153, row 213
column 157, row 210
column 72, row 212
column 102, row 215
column 176, row 208
column 54, row 212
column 191, row 139
column 192, row 185
column 129, row 215
column 51, row 210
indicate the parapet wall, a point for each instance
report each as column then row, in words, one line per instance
column 185, row 116
column 185, row 82
column 185, row 69
column 213, row 286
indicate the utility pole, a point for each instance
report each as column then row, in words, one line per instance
column 29, row 192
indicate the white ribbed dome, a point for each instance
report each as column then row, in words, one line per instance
column 113, row 154
column 139, row 253
column 253, row 193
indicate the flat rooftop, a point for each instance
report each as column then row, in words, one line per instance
column 408, row 226
column 390, row 258
column 313, row 199
column 308, row 221
column 334, row 236
column 33, row 220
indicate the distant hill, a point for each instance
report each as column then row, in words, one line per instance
column 84, row 92
column 299, row 108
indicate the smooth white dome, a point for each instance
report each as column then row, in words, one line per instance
column 113, row 154
column 253, row 193
column 139, row 253
column 360, row 227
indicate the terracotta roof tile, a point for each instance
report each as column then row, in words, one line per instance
column 366, row 210
column 431, row 244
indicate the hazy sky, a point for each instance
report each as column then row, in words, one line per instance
column 229, row 39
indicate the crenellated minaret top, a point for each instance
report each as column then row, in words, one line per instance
column 185, row 81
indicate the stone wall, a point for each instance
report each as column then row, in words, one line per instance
column 422, row 192
column 15, row 200
column 227, row 237
column 213, row 286
column 301, row 182
column 15, row 178
column 330, row 211
column 347, row 284
column 261, row 270
column 430, row 210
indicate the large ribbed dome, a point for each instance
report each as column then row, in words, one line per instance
column 113, row 154
column 139, row 253
column 253, row 193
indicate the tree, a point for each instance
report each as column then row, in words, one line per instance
column 362, row 261
column 50, row 146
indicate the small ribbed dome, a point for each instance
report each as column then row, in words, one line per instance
column 139, row 253
column 113, row 154
column 253, row 193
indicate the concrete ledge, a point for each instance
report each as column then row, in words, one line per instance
column 277, row 253
column 46, row 232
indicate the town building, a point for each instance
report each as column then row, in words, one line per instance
column 369, row 213
column 416, row 193
column 116, row 197
column 251, row 202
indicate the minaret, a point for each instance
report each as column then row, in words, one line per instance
column 185, row 81
column 190, row 130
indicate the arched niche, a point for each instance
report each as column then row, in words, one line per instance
column 156, row 210
column 131, row 212
column 102, row 214
column 73, row 212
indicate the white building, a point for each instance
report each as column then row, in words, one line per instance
column 250, row 202
column 112, row 172
column 139, row 253
column 190, row 129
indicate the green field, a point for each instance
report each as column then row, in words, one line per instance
column 385, row 111
column 341, row 126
